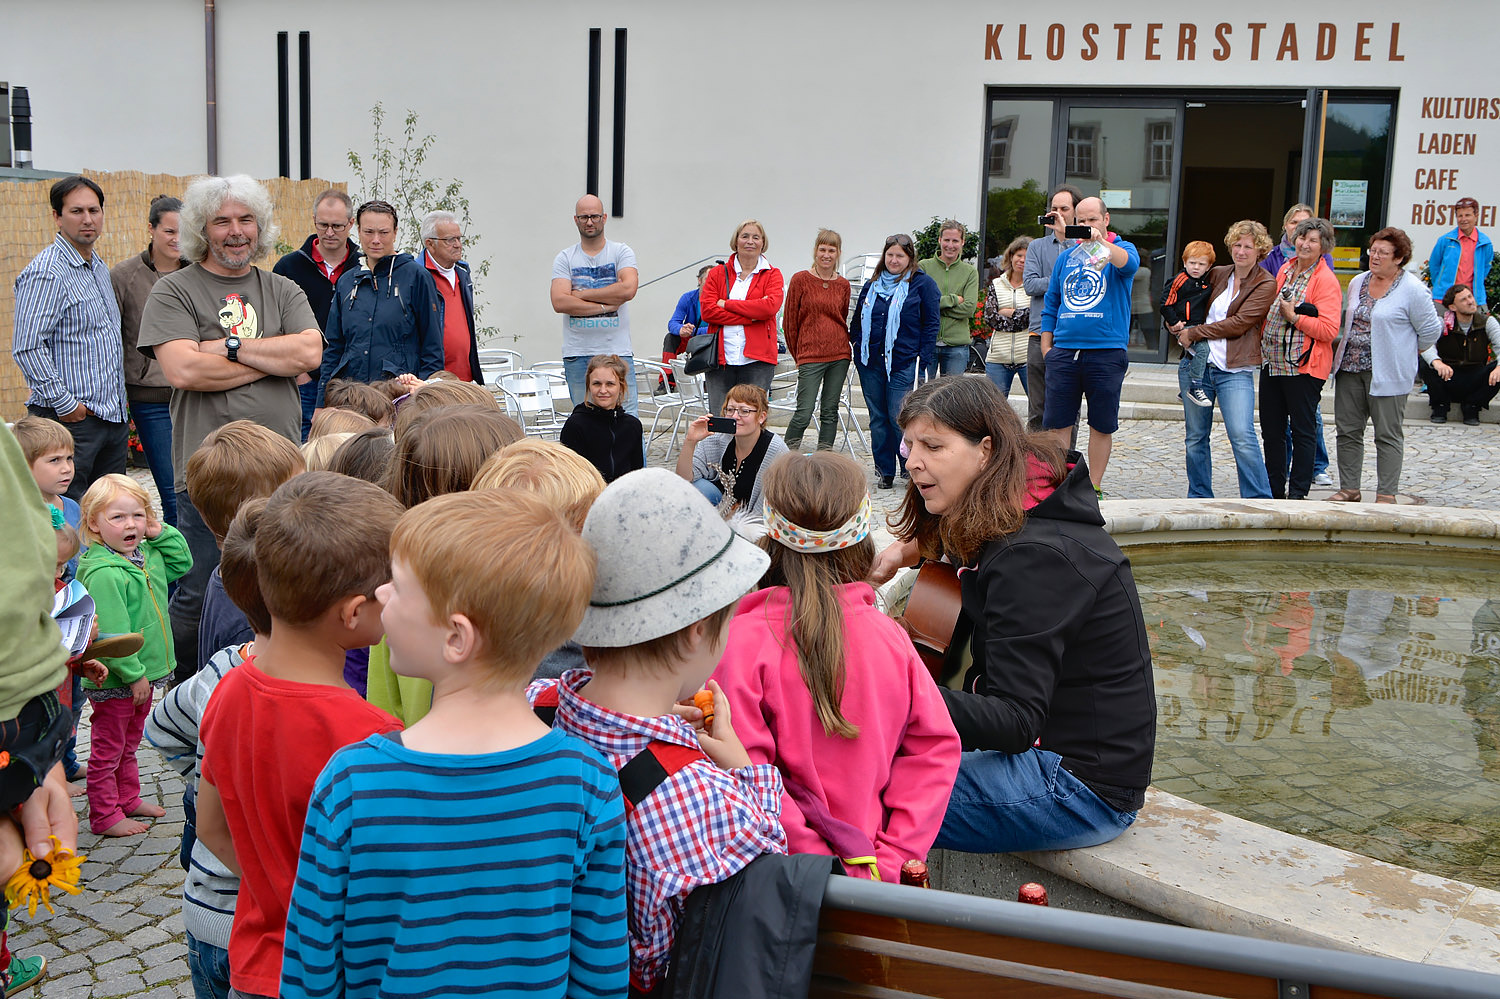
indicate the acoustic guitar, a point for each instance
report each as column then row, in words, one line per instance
column 932, row 613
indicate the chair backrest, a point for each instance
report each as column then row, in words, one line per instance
column 532, row 390
column 495, row 361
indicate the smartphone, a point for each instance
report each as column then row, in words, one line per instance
column 722, row 425
column 1077, row 232
column 1046, row 220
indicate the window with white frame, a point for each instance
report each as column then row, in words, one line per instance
column 1159, row 141
column 1082, row 158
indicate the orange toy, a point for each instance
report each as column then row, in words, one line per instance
column 703, row 700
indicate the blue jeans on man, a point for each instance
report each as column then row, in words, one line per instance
column 950, row 359
column 1235, row 393
column 576, row 370
column 1005, row 802
column 883, row 396
column 153, row 425
column 307, row 392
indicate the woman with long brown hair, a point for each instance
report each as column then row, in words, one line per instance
column 828, row 688
column 1058, row 707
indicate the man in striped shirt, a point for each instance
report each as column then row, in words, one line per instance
column 67, row 336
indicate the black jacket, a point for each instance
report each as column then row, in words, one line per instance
column 304, row 270
column 1060, row 648
column 609, row 438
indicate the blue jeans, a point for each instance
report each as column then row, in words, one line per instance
column 1320, row 450
column 576, row 370
column 153, row 424
column 308, row 393
column 209, row 966
column 1003, row 374
column 949, row 360
column 883, row 395
column 1235, row 393
column 1005, row 802
column 710, row 491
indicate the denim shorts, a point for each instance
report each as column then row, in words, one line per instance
column 1073, row 374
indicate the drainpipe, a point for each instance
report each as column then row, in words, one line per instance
column 210, row 87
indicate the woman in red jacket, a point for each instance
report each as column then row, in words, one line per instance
column 740, row 301
column 1296, row 349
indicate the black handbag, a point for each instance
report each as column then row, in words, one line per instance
column 702, row 353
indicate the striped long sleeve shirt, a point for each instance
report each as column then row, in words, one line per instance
column 426, row 875
column 67, row 333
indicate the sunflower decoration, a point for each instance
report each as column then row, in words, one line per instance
column 34, row 882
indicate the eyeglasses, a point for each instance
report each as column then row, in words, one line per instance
column 330, row 226
column 453, row 241
column 588, row 218
column 735, row 412
column 900, row 239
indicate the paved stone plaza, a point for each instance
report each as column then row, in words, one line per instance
column 123, row 935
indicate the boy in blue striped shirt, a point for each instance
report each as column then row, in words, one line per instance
column 479, row 852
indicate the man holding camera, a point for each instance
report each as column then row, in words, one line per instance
column 1085, row 329
column 1041, row 256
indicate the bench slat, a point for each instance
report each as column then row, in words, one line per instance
column 1059, row 969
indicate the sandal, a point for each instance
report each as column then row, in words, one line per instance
column 1384, row 498
column 1345, row 496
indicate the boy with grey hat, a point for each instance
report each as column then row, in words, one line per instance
column 670, row 572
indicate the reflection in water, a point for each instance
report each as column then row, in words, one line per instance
column 1358, row 704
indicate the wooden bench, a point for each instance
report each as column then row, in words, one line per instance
column 880, row 941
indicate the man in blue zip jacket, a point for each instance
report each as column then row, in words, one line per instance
column 386, row 318
column 1085, row 329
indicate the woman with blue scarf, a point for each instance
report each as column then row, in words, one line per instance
column 895, row 325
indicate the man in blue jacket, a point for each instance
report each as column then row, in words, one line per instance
column 386, row 318
column 1085, row 329
column 1462, row 256
column 442, row 258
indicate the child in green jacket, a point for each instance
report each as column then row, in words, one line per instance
column 131, row 559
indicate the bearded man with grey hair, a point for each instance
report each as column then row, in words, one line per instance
column 442, row 253
column 231, row 339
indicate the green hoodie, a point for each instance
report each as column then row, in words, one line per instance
column 129, row 598
column 34, row 656
column 958, row 281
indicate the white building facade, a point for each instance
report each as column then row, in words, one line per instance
column 868, row 118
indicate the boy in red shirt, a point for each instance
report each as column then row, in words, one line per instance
column 321, row 549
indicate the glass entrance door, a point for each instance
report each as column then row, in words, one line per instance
column 1128, row 151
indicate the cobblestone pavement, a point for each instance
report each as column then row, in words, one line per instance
column 123, row 936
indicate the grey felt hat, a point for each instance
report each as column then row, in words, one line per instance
column 666, row 560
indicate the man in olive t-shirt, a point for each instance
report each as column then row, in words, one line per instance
column 231, row 340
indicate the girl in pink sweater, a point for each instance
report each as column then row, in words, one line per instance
column 829, row 689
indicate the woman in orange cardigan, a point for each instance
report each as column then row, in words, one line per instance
column 740, row 300
column 1296, row 349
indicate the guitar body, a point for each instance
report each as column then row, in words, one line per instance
column 932, row 612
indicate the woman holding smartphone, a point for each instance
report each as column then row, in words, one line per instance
column 726, row 462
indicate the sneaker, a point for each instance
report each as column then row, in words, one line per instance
column 1198, row 397
column 661, row 389
column 24, row 972
column 1323, row 479
column 1098, row 492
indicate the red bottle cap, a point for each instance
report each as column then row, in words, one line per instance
column 914, row 872
column 1032, row 894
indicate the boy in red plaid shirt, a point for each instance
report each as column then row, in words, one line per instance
column 670, row 574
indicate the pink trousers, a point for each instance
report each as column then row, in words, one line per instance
column 114, row 781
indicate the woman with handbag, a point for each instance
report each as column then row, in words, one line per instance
column 739, row 302
column 1007, row 311
column 817, row 335
column 895, row 324
column 1296, row 349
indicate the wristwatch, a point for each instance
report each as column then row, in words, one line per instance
column 232, row 347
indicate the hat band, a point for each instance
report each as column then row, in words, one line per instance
column 662, row 589
column 851, row 532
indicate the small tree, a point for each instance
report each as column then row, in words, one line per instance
column 395, row 173
column 926, row 239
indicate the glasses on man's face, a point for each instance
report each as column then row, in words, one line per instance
column 735, row 412
column 330, row 226
column 588, row 218
column 453, row 241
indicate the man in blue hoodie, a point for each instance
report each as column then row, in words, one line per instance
column 1085, row 328
column 386, row 317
